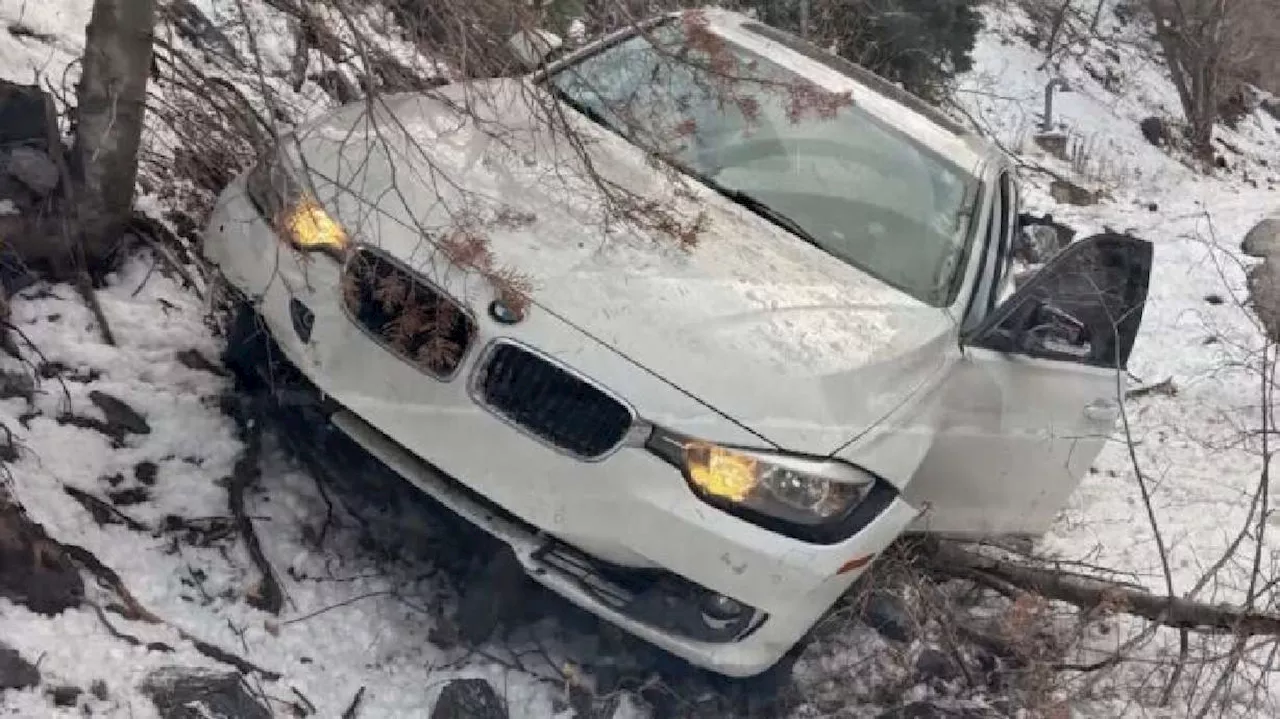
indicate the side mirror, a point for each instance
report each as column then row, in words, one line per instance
column 532, row 47
column 1052, row 331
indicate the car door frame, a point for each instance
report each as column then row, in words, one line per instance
column 1000, row 465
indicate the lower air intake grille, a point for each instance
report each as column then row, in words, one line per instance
column 405, row 314
column 552, row 403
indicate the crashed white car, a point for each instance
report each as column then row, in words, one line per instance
column 705, row 443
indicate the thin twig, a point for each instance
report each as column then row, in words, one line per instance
column 354, row 707
column 339, row 605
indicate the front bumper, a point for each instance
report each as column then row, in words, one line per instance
column 629, row 509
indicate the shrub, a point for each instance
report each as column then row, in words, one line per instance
column 921, row 44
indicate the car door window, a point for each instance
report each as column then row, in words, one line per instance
column 1085, row 306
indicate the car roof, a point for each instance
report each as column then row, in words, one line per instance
column 924, row 122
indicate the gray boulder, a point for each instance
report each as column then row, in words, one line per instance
column 16, row 672
column 1271, row 106
column 34, row 169
column 1071, row 193
column 1155, row 130
column 1263, row 240
column 186, row 693
column 469, row 699
column 1264, row 295
column 1037, row 244
column 22, row 116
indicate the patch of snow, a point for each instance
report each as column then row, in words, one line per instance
column 349, row 620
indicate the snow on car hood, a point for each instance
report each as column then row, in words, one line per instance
column 804, row 350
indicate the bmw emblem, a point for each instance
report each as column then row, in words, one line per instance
column 503, row 313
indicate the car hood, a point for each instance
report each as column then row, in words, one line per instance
column 805, row 351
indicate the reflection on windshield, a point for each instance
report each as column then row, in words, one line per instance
column 863, row 192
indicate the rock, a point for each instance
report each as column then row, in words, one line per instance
column 129, row 497
column 146, row 473
column 1070, row 193
column 186, row 693
column 16, row 672
column 1263, row 281
column 1066, row 233
column 1037, row 244
column 64, row 695
column 1263, row 240
column 888, row 616
column 469, row 699
column 34, row 169
column 1271, row 106
column 1040, row 238
column 99, row 689
column 933, row 664
column 1155, row 130
column 119, row 414
column 1054, row 143
column 17, row 384
column 34, row 570
column 22, row 117
column 193, row 26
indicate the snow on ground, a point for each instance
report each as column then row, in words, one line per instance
column 355, row 617
column 381, row 642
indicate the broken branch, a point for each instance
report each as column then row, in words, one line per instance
column 267, row 596
column 103, row 513
column 950, row 559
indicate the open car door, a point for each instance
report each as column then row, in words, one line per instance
column 1036, row 395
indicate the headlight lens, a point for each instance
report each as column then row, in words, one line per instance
column 297, row 216
column 308, row 227
column 800, row 491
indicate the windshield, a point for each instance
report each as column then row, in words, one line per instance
column 809, row 159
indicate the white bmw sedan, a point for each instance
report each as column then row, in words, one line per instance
column 703, row 433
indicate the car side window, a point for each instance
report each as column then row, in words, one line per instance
column 1085, row 306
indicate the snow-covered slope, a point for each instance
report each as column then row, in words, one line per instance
column 356, row 617
column 1199, row 449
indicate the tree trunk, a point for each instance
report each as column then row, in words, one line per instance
column 111, row 104
column 1173, row 57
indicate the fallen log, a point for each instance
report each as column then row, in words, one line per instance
column 953, row 559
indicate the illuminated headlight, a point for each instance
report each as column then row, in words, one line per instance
column 802, row 496
column 297, row 216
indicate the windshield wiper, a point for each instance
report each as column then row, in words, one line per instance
column 753, row 203
column 583, row 108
